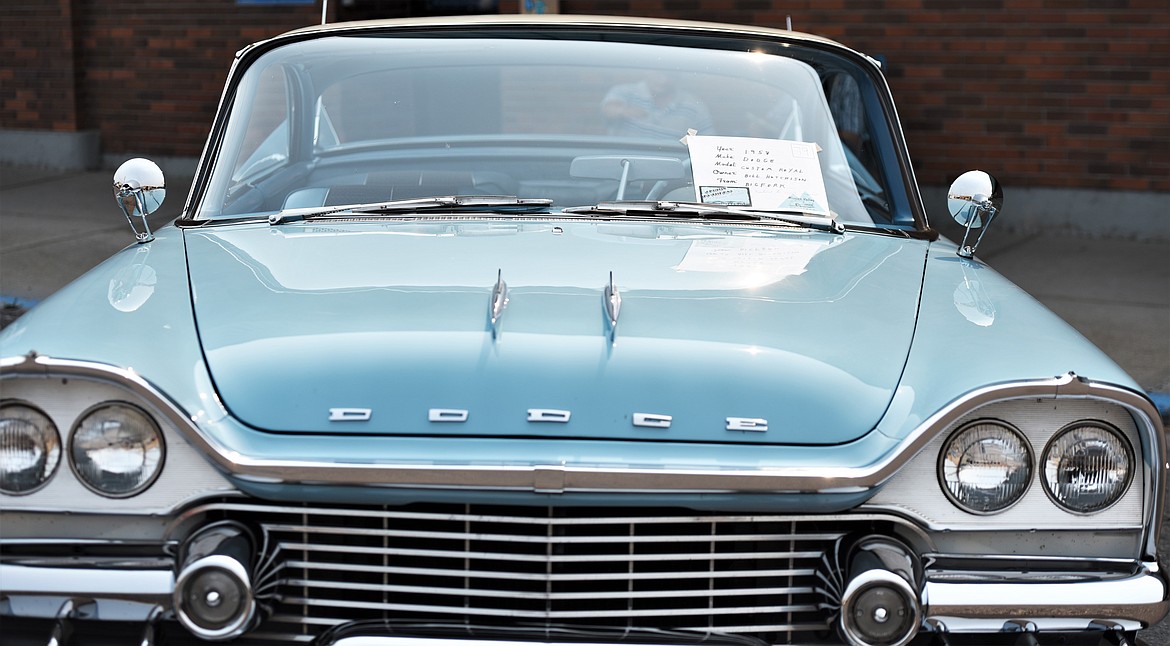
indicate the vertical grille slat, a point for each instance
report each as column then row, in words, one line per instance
column 487, row 566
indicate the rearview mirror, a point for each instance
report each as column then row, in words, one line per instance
column 627, row 168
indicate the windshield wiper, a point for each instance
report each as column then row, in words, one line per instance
column 442, row 204
column 662, row 208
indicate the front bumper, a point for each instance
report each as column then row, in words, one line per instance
column 1024, row 604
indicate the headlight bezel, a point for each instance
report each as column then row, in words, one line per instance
column 1122, row 440
column 977, row 426
column 143, row 484
column 56, row 454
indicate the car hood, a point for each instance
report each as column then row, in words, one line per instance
column 723, row 334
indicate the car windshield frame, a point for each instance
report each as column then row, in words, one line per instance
column 888, row 161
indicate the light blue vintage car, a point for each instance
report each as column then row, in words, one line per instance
column 564, row 330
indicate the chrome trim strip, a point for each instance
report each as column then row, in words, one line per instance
column 1009, row 560
column 959, row 626
column 552, row 558
column 379, row 640
column 607, row 479
column 346, row 513
column 550, row 616
column 350, row 639
column 461, row 591
column 554, row 540
column 550, row 577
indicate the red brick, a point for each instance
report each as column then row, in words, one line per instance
column 1057, row 92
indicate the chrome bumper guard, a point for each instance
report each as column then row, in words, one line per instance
column 104, row 593
column 1132, row 603
column 1128, row 604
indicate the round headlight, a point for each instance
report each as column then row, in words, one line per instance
column 985, row 467
column 30, row 448
column 1087, row 467
column 117, row 450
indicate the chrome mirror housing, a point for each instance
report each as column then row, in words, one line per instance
column 975, row 198
column 139, row 189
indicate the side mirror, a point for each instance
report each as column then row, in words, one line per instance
column 974, row 200
column 139, row 189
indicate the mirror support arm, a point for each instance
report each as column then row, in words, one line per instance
column 980, row 208
column 133, row 203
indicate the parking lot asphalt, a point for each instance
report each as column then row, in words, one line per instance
column 56, row 225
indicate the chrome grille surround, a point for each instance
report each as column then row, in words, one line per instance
column 540, row 567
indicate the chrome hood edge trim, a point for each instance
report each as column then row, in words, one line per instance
column 568, row 478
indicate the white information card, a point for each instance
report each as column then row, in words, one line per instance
column 766, row 174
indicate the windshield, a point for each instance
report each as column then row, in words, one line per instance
column 579, row 120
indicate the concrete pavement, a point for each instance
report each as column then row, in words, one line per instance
column 54, row 226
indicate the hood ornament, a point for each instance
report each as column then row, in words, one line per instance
column 613, row 307
column 498, row 303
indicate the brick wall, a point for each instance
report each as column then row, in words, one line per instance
column 147, row 73
column 1043, row 93
column 153, row 70
column 37, row 89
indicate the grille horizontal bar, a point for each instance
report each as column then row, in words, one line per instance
column 554, row 596
column 347, row 531
column 572, row 614
column 552, row 558
column 553, row 577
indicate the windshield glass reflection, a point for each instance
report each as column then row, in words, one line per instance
column 353, row 120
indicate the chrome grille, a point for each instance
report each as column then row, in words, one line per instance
column 498, row 567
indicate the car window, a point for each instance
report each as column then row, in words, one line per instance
column 265, row 143
column 562, row 100
column 388, row 118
